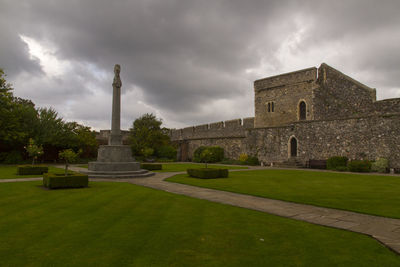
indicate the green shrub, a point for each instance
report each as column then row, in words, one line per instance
column 76, row 180
column 334, row 162
column 380, row 165
column 217, row 154
column 359, row 166
column 204, row 173
column 165, row 160
column 167, row 152
column 151, row 166
column 252, row 160
column 29, row 169
column 197, row 153
column 12, row 157
column 243, row 157
column 342, row 169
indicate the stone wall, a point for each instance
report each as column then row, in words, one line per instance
column 285, row 92
column 343, row 118
column 228, row 129
column 357, row 138
column 339, row 96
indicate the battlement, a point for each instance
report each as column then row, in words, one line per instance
column 305, row 75
column 222, row 129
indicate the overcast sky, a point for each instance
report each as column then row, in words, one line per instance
column 188, row 62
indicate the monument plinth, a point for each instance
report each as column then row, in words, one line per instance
column 115, row 159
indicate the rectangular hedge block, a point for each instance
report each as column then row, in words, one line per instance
column 206, row 173
column 29, row 169
column 76, row 180
column 151, row 166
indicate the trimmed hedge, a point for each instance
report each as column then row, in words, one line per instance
column 359, row 166
column 217, row 153
column 207, row 173
column 76, row 180
column 335, row 163
column 29, row 169
column 151, row 166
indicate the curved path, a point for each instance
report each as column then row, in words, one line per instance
column 385, row 230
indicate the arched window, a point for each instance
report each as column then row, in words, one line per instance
column 302, row 111
column 269, row 107
column 272, row 106
column 293, row 147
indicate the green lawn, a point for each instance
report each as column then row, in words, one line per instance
column 118, row 224
column 10, row 172
column 373, row 194
column 182, row 167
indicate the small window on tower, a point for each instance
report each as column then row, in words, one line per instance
column 272, row 106
column 269, row 107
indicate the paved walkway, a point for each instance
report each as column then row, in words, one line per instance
column 385, row 230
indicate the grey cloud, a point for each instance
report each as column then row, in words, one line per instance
column 184, row 56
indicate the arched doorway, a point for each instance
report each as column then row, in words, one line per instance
column 302, row 111
column 293, row 147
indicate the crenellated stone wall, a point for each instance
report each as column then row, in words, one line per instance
column 342, row 117
column 228, row 129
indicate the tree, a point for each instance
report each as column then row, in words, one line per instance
column 146, row 132
column 69, row 156
column 17, row 118
column 206, row 156
column 33, row 150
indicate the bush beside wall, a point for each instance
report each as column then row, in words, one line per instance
column 29, row 169
column 206, row 173
column 359, row 166
column 216, row 151
column 336, row 163
column 151, row 166
column 76, row 180
column 380, row 165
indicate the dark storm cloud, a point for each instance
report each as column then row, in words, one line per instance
column 189, row 59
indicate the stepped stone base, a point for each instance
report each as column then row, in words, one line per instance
column 116, row 161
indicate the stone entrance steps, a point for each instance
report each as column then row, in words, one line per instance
column 119, row 174
column 290, row 163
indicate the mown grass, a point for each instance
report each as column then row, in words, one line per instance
column 372, row 194
column 118, row 224
column 182, row 167
column 10, row 172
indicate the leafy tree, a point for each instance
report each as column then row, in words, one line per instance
column 206, row 156
column 69, row 156
column 17, row 118
column 33, row 150
column 146, row 132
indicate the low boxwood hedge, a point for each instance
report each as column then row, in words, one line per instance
column 29, row 169
column 76, row 180
column 207, row 173
column 151, row 166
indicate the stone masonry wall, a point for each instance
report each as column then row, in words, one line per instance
column 285, row 91
column 339, row 96
column 358, row 138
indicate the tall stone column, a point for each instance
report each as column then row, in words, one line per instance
column 115, row 136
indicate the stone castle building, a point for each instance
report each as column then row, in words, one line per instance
column 309, row 114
